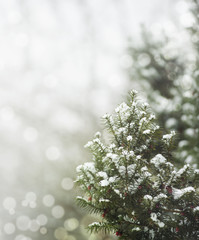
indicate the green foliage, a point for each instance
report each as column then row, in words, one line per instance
column 170, row 79
column 138, row 192
column 132, row 181
column 156, row 62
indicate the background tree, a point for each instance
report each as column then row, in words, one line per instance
column 139, row 193
column 169, row 76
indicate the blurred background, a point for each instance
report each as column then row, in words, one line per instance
column 63, row 64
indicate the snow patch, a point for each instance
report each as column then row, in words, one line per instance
column 129, row 138
column 158, row 159
column 102, row 174
column 104, row 200
column 159, row 197
column 196, row 209
column 148, row 197
column 88, row 166
column 156, row 220
column 104, row 183
column 168, row 137
column 146, row 131
column 178, row 193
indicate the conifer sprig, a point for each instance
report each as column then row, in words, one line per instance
column 139, row 193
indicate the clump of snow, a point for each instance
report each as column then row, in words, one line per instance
column 125, row 152
column 156, row 220
column 147, row 131
column 107, row 115
column 148, row 197
column 93, row 142
column 96, row 140
column 131, row 153
column 112, row 179
column 112, row 156
column 134, row 92
column 79, row 197
column 128, row 219
column 145, row 172
column 196, row 209
column 168, row 137
column 102, row 174
column 94, row 224
column 122, row 108
column 161, row 224
column 159, row 197
column 112, row 146
column 182, row 170
column 97, row 134
column 154, row 217
column 178, row 193
column 152, row 233
column 89, row 144
column 158, row 159
column 104, row 183
column 142, row 121
column 131, row 169
column 117, row 191
column 136, row 229
column 151, row 117
column 129, row 138
column 104, row 200
column 144, row 169
column 168, row 164
column 145, row 104
column 88, row 166
column 121, row 130
column 122, row 170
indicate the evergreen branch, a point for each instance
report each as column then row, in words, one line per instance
column 101, row 227
column 88, row 205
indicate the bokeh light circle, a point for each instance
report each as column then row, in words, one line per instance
column 22, row 237
column 34, row 226
column 9, row 228
column 23, row 223
column 31, row 197
column 70, row 237
column 43, row 230
column 53, row 153
column 67, row 183
column 60, row 233
column 71, row 224
column 58, row 212
column 48, row 200
column 9, row 203
column 42, row 219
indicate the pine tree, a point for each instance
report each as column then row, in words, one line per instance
column 170, row 80
column 133, row 183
